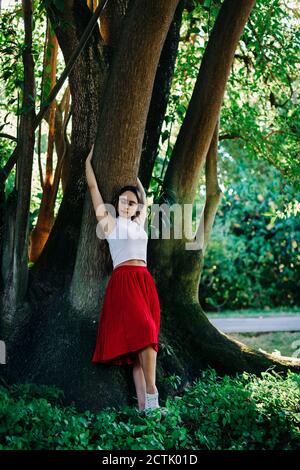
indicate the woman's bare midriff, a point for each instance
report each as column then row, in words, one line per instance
column 135, row 262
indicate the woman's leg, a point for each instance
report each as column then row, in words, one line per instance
column 147, row 358
column 140, row 383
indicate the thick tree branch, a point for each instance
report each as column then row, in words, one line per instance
column 213, row 192
column 3, row 135
column 196, row 132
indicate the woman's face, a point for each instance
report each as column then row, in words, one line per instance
column 128, row 204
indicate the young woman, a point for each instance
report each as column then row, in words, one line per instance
column 130, row 317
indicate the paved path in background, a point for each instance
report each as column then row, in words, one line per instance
column 256, row 324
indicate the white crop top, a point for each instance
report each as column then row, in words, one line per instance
column 128, row 240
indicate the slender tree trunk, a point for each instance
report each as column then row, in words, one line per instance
column 2, row 231
column 159, row 98
column 18, row 268
column 57, row 134
column 40, row 233
column 62, row 145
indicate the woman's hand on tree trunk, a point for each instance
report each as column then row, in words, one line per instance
column 140, row 186
column 90, row 175
column 89, row 157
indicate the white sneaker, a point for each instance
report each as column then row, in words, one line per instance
column 151, row 401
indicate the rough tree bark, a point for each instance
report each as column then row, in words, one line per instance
column 86, row 81
column 120, row 133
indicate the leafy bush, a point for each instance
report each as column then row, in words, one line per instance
column 253, row 257
column 241, row 412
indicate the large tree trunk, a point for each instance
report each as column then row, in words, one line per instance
column 55, row 264
column 120, row 133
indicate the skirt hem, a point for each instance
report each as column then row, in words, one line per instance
column 125, row 358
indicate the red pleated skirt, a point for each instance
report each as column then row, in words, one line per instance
column 130, row 316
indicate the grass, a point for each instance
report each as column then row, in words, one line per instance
column 255, row 313
column 287, row 343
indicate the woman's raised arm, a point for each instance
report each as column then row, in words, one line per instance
column 98, row 203
column 143, row 210
column 89, row 172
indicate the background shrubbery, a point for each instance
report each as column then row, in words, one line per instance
column 253, row 257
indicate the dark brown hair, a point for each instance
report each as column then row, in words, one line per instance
column 115, row 201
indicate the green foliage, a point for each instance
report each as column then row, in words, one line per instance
column 11, row 49
column 260, row 113
column 12, row 76
column 253, row 255
column 241, row 412
column 173, row 380
column 261, row 105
